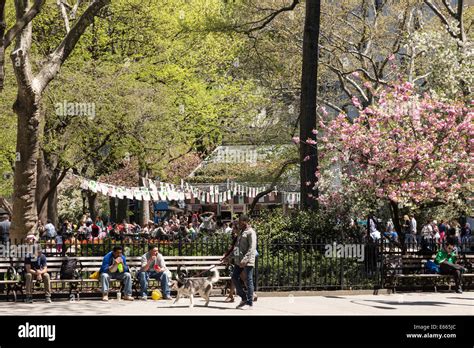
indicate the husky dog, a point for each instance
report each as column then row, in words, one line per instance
column 190, row 287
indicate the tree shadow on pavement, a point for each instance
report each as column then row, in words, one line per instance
column 409, row 303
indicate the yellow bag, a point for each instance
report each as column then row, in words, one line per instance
column 95, row 275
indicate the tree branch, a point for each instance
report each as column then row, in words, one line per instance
column 51, row 189
column 22, row 22
column 62, row 10
column 449, row 8
column 6, row 205
column 442, row 17
column 266, row 20
column 62, row 52
column 272, row 185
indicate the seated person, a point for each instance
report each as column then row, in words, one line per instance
column 36, row 268
column 446, row 259
column 153, row 266
column 114, row 266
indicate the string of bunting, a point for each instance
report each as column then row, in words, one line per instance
column 162, row 191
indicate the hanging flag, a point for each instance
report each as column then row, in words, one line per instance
column 92, row 185
column 152, row 185
column 103, row 189
column 145, row 193
column 154, row 194
column 111, row 191
column 84, row 184
column 119, row 191
column 137, row 193
column 128, row 193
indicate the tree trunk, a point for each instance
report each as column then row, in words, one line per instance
column 309, row 153
column 2, row 43
column 53, row 198
column 144, row 211
column 122, row 210
column 113, row 209
column 42, row 186
column 27, row 108
column 396, row 222
column 93, row 204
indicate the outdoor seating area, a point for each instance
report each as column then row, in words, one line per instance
column 84, row 285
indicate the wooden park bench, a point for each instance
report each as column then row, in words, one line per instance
column 411, row 268
column 195, row 265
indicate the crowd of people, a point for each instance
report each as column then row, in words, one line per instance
column 242, row 254
column 174, row 226
column 431, row 232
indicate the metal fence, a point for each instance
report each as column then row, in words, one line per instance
column 280, row 266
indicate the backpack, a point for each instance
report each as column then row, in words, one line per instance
column 70, row 269
column 431, row 267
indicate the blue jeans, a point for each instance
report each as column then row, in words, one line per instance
column 410, row 239
column 161, row 276
column 124, row 277
column 248, row 297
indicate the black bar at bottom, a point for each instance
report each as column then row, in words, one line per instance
column 293, row 331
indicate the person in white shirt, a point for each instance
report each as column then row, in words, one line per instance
column 374, row 233
column 228, row 229
column 413, row 229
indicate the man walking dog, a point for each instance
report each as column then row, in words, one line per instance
column 244, row 259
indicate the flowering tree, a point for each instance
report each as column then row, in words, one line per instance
column 406, row 149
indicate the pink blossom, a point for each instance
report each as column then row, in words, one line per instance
column 377, row 151
column 315, row 131
column 306, row 159
column 391, row 58
column 296, row 140
column 356, row 102
column 355, row 74
column 310, row 141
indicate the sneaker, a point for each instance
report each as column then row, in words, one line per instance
column 459, row 291
column 105, row 297
column 48, row 299
column 128, row 298
column 29, row 299
column 246, row 307
column 241, row 304
column 167, row 298
column 144, row 298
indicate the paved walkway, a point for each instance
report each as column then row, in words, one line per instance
column 395, row 304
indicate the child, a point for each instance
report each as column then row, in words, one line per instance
column 59, row 243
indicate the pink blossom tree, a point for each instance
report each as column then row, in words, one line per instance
column 407, row 150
